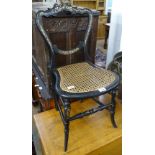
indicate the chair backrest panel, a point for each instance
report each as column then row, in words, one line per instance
column 61, row 26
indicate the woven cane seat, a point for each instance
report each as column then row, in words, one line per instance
column 82, row 77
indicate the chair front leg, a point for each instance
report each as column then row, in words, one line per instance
column 112, row 110
column 67, row 109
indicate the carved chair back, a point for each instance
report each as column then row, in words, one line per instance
column 69, row 11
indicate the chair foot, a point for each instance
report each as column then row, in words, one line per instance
column 113, row 120
column 67, row 109
column 66, row 137
column 112, row 110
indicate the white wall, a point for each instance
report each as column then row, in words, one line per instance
column 114, row 41
column 108, row 5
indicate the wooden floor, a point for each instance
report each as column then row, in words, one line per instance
column 93, row 135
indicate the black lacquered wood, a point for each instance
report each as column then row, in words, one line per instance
column 112, row 110
column 89, row 112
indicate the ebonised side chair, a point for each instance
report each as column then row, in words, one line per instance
column 79, row 80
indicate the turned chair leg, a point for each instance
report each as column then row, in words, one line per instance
column 112, row 110
column 67, row 109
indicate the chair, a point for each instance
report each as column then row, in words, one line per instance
column 79, row 80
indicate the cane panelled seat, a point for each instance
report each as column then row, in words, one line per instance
column 78, row 80
column 84, row 79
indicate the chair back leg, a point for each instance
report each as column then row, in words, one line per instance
column 112, row 110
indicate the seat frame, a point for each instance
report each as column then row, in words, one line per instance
column 63, row 99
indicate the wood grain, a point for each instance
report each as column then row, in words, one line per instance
column 101, row 27
column 98, row 5
column 90, row 135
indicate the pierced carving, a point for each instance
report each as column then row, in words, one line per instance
column 66, row 25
